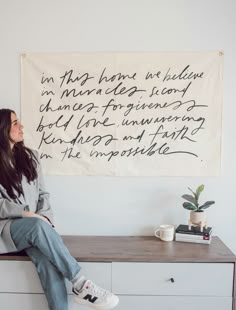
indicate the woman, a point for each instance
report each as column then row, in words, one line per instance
column 26, row 223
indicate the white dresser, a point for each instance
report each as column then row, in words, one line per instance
column 146, row 274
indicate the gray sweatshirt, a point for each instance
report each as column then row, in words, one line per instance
column 35, row 199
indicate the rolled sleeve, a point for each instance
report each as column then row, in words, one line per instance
column 9, row 209
column 43, row 205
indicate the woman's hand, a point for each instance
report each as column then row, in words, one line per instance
column 32, row 214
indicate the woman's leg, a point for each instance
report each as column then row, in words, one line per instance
column 53, row 282
column 33, row 232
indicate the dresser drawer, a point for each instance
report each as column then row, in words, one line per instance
column 38, row 302
column 174, row 303
column 22, row 277
column 31, row 302
column 205, row 279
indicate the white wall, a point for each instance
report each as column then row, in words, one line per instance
column 117, row 205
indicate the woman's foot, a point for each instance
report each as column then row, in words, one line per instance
column 93, row 296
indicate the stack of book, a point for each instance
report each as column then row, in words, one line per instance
column 195, row 235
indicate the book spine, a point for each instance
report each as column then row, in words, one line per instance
column 193, row 240
column 193, row 237
column 194, row 233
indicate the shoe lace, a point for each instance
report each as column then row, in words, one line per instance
column 97, row 290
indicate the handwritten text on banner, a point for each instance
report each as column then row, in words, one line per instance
column 142, row 114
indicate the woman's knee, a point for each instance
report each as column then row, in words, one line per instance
column 40, row 226
column 35, row 225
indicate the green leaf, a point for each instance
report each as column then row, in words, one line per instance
column 193, row 193
column 189, row 206
column 199, row 190
column 206, row 205
column 190, row 199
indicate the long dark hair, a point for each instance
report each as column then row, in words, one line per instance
column 14, row 162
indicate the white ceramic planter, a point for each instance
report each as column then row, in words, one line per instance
column 198, row 219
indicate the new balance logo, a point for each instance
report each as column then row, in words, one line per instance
column 90, row 298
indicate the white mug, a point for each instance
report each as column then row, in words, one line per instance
column 165, row 232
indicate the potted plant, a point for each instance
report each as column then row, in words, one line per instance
column 197, row 214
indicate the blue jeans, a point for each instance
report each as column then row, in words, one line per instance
column 52, row 259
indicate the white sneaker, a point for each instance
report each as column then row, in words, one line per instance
column 93, row 296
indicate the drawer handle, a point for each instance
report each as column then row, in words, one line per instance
column 172, row 280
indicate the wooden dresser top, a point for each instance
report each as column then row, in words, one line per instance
column 138, row 249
